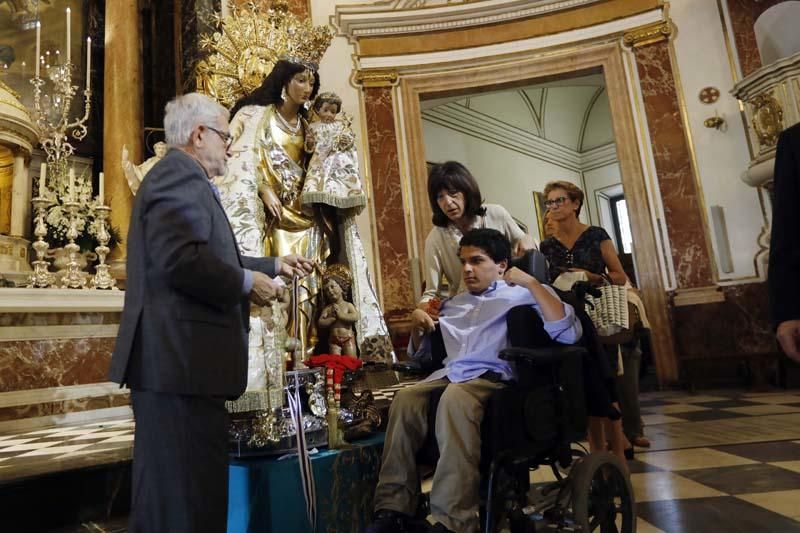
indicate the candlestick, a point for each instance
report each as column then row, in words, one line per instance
column 40, row 277
column 42, row 177
column 102, row 188
column 38, row 44
column 88, row 63
column 69, row 34
column 72, row 185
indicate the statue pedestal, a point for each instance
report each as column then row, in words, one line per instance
column 14, row 264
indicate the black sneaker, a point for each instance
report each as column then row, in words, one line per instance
column 438, row 527
column 390, row 522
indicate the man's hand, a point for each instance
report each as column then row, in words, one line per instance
column 515, row 276
column 264, row 289
column 431, row 307
column 294, row 265
column 788, row 334
column 421, row 320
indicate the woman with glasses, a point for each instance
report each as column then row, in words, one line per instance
column 579, row 247
column 458, row 207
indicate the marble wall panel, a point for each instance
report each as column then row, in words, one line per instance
column 39, row 364
column 682, row 209
column 58, row 319
column 397, row 292
column 743, row 15
column 63, row 407
column 738, row 326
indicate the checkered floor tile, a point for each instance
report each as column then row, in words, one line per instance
column 721, row 461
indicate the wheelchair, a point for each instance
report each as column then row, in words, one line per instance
column 535, row 423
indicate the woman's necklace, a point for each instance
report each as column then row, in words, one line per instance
column 285, row 126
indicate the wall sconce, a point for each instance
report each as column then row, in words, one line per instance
column 716, row 122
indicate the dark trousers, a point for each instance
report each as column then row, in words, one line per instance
column 628, row 390
column 180, row 464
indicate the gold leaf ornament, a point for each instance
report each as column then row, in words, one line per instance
column 250, row 41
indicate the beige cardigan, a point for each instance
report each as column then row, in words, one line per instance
column 442, row 265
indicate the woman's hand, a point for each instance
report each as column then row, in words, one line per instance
column 422, row 321
column 594, row 279
column 271, row 203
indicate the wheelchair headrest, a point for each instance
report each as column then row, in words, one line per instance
column 534, row 263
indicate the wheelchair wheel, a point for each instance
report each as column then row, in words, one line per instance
column 602, row 496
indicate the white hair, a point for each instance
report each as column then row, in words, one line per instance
column 185, row 112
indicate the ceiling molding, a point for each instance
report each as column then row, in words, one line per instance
column 390, row 18
column 586, row 116
column 472, row 54
column 481, row 126
column 536, row 115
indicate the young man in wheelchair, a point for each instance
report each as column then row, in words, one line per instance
column 473, row 331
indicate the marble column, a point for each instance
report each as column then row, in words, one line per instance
column 683, row 213
column 395, row 273
column 122, row 109
column 20, row 197
column 743, row 14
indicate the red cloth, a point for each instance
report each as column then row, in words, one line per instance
column 339, row 364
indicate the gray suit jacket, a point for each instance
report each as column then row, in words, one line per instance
column 185, row 320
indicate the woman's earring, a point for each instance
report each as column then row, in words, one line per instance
column 283, row 94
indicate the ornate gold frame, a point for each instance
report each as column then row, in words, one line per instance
column 523, row 67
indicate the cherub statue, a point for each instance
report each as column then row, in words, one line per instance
column 338, row 315
column 135, row 174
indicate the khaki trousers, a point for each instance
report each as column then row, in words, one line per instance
column 454, row 495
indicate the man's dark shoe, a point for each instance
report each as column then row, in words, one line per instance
column 438, row 527
column 391, row 522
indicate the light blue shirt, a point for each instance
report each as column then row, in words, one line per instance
column 474, row 331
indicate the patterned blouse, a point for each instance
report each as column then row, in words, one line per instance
column 585, row 253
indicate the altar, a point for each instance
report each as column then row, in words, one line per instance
column 265, row 493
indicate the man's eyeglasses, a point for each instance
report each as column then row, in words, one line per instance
column 555, row 202
column 225, row 136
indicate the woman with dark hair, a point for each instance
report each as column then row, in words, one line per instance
column 458, row 207
column 261, row 193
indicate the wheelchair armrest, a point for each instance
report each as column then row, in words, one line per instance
column 412, row 367
column 542, row 356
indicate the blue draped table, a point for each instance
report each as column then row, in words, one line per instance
column 265, row 494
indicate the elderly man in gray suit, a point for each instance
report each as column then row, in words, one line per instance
column 182, row 342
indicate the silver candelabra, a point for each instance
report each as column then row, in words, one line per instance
column 40, row 277
column 102, row 279
column 74, row 277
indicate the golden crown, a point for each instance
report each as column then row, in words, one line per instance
column 250, row 42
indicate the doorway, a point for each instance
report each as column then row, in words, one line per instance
column 524, row 69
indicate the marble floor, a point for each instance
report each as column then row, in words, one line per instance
column 721, row 461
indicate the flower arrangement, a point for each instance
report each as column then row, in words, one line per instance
column 57, row 218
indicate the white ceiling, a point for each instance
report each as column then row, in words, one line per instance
column 573, row 113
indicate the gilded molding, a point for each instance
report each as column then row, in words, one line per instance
column 11, row 91
column 652, row 33
column 767, row 119
column 376, row 78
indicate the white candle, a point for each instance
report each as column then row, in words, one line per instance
column 89, row 65
column 102, row 188
column 38, row 44
column 42, row 178
column 72, row 185
column 69, row 33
